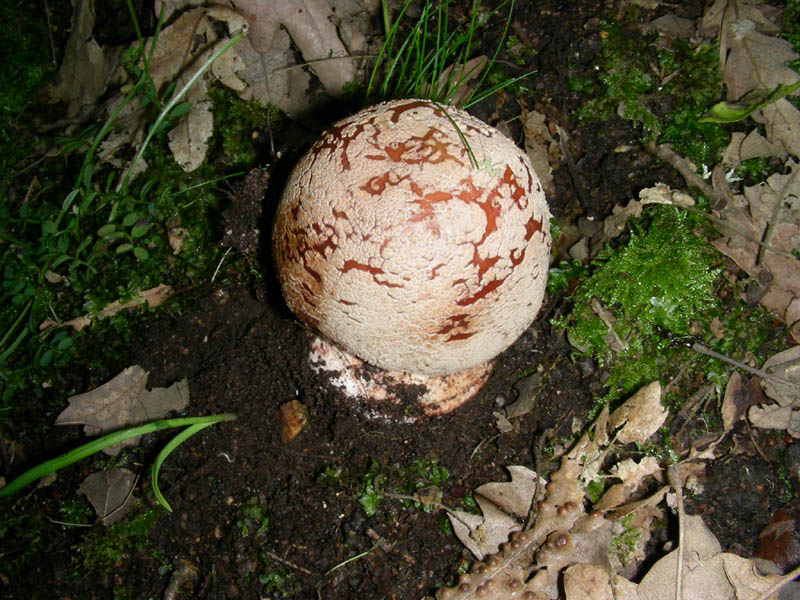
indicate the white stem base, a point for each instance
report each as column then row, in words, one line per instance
column 385, row 394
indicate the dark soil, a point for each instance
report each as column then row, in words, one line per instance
column 243, row 353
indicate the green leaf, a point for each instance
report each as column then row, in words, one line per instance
column 73, row 456
column 130, row 219
column 64, row 344
column 69, row 199
column 180, row 109
column 106, row 230
column 122, row 248
column 730, row 112
column 49, row 228
column 141, row 253
column 165, row 452
column 46, row 358
column 140, row 230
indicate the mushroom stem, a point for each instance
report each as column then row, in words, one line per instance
column 385, row 394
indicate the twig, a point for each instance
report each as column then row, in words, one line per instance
column 573, row 170
column 288, row 563
column 219, row 264
column 352, row 558
column 680, row 164
column 53, row 59
column 65, row 524
column 755, row 444
column 700, row 348
column 674, row 476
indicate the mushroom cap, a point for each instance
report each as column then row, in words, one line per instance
column 414, row 236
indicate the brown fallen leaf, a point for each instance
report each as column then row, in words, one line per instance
column 767, row 212
column 122, row 402
column 152, row 297
column 640, row 416
column 86, row 68
column 504, row 505
column 543, row 151
column 110, row 492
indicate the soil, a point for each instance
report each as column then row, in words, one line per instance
column 244, row 353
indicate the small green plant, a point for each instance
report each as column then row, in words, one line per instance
column 431, row 59
column 193, row 425
column 422, row 477
column 276, row 580
column 373, row 481
column 253, row 519
column 71, row 252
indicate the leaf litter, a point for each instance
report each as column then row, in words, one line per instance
column 122, row 402
column 563, row 541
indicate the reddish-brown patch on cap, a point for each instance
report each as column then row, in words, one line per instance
column 415, row 237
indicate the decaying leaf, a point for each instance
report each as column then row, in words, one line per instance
column 753, row 61
column 640, row 417
column 559, row 533
column 588, row 582
column 110, row 493
column 542, row 150
column 660, row 193
column 504, row 505
column 86, row 69
column 769, row 211
column 784, row 389
column 152, row 297
column 708, row 573
column 462, row 75
column 124, row 401
column 262, row 67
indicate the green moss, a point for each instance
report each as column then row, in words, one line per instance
column 656, row 287
column 23, row 537
column 636, row 78
column 622, row 544
column 102, row 547
column 239, row 125
column 253, row 519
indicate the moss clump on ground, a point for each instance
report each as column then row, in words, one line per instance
column 642, row 295
column 647, row 301
column 102, row 548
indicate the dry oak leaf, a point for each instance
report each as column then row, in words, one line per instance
column 785, row 390
column 770, row 210
column 310, row 24
column 587, row 582
column 504, row 506
column 542, row 150
column 122, row 402
column 640, row 416
column 708, row 573
column 757, row 63
column 86, row 68
column 110, row 493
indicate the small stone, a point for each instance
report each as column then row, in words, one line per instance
column 293, row 416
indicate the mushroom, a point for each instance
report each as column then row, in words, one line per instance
column 414, row 239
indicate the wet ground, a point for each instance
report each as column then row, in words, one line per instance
column 257, row 517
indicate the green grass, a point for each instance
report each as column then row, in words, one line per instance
column 415, row 56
